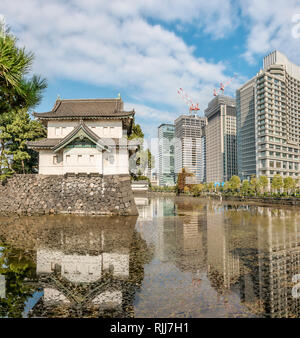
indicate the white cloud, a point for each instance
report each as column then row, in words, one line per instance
column 270, row 27
column 112, row 43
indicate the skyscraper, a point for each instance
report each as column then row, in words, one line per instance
column 166, row 175
column 188, row 144
column 221, row 158
column 203, row 155
column 245, row 119
column 268, row 110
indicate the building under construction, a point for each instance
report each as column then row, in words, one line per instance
column 188, row 149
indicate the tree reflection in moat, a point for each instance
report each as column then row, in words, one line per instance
column 86, row 267
column 16, row 266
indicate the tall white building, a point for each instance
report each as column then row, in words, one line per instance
column 188, row 134
column 268, row 111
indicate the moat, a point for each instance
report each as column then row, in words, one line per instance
column 180, row 258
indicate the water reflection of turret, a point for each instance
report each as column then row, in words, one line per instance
column 89, row 269
column 85, row 266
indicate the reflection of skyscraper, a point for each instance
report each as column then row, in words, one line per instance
column 223, row 264
column 191, row 240
column 279, row 253
column 180, row 235
column 265, row 244
column 166, row 226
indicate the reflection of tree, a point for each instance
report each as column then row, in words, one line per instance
column 16, row 266
column 217, row 281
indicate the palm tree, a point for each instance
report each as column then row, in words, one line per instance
column 18, row 94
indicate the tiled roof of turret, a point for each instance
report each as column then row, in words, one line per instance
column 87, row 108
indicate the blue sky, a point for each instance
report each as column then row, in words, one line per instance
column 146, row 50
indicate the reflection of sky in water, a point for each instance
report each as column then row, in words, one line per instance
column 30, row 303
column 184, row 259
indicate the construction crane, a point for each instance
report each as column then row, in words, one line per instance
column 193, row 108
column 222, row 86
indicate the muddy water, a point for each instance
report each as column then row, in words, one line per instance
column 181, row 258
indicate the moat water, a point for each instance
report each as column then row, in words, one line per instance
column 181, row 258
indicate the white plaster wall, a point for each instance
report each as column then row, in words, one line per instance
column 73, row 163
column 54, row 296
column 116, row 162
column 76, row 268
column 46, row 260
column 111, row 297
column 120, row 263
column 79, row 160
column 46, row 164
column 103, row 128
column 81, row 268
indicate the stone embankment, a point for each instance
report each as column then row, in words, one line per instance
column 74, row 194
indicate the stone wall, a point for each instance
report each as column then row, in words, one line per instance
column 74, row 194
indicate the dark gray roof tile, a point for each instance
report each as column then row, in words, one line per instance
column 86, row 108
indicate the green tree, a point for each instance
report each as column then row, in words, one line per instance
column 136, row 131
column 16, row 266
column 141, row 159
column 245, row 187
column 277, row 182
column 15, row 86
column 197, row 189
column 264, row 182
column 226, row 187
column 255, row 185
column 210, row 187
column 18, row 94
column 289, row 184
column 235, row 183
column 21, row 130
column 5, row 165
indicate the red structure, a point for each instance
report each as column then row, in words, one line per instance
column 222, row 86
column 192, row 107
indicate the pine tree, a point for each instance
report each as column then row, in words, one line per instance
column 21, row 130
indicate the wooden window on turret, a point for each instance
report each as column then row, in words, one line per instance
column 55, row 159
